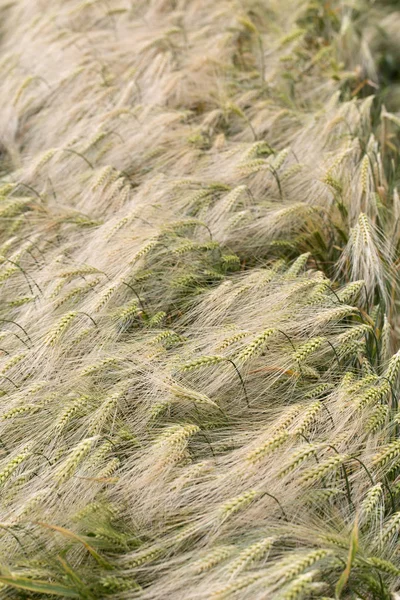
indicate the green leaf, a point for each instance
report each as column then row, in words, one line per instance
column 350, row 559
column 70, row 534
column 39, row 587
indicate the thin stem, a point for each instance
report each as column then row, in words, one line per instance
column 241, row 380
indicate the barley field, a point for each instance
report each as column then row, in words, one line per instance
column 200, row 299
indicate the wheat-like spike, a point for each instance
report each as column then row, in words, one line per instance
column 184, row 281
column 99, row 366
column 21, row 301
column 92, row 508
column 291, row 171
column 371, row 502
column 318, row 390
column 104, row 177
column 157, row 319
column 110, row 468
column 300, row 456
column 213, row 558
column 255, row 346
column 251, row 554
column 144, row 250
column 77, row 291
column 177, row 434
column 32, row 504
column 336, row 314
column 295, row 567
column 105, row 296
column 230, row 260
column 372, row 395
column 238, row 218
column 307, row 348
column 230, row 199
column 168, row 336
column 203, row 361
column 113, row 584
column 127, row 311
column 393, row 368
column 71, row 410
column 364, row 173
column 280, row 158
column 108, row 407
column 377, row 419
column 351, row 291
column 82, row 270
column 100, row 453
column 354, row 333
column 236, row 504
column 301, row 585
column 253, row 166
column 383, row 565
column 308, row 417
column 232, row 340
column 333, row 183
column 237, row 585
column 59, row 329
column 288, row 416
column 268, row 447
column 21, row 410
column 323, row 468
column 387, row 454
column 7, row 273
column 352, row 386
column 44, row 159
column 297, row 266
column 385, row 338
column 185, row 393
column 12, row 464
column 14, row 360
column 72, row 462
column 391, row 528
column 145, row 556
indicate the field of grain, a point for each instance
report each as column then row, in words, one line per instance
column 199, row 296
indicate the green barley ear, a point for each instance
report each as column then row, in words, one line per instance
column 388, row 454
column 383, row 565
column 68, row 413
column 268, row 447
column 203, row 361
column 351, row 291
column 393, row 368
column 371, row 503
column 232, row 340
column 156, row 319
column 13, row 464
column 385, row 338
column 185, row 393
column 299, row 457
column 297, row 266
column 211, row 559
column 250, row 555
column 377, row 419
column 324, row 468
column 255, row 347
column 308, row 418
column 60, row 328
column 234, row 505
column 239, row 584
column 303, row 586
column 391, row 528
column 298, row 564
column 67, row 469
column 307, row 348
